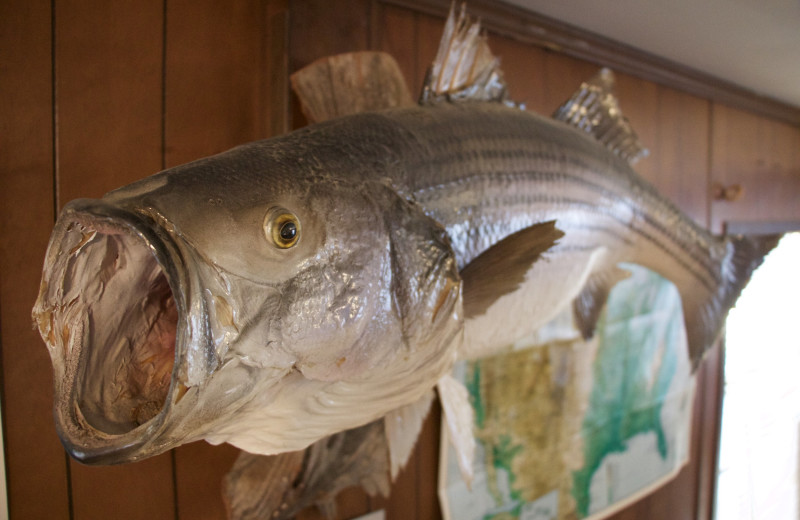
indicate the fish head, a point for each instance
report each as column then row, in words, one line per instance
column 229, row 298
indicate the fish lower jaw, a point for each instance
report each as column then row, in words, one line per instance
column 110, row 319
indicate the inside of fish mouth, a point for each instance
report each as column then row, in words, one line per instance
column 128, row 348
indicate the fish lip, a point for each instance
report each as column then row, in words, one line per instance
column 82, row 441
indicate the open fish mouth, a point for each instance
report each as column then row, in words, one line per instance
column 110, row 314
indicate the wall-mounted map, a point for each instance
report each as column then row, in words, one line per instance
column 573, row 429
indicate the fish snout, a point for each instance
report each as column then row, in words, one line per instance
column 111, row 313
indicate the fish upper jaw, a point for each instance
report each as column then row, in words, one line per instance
column 113, row 309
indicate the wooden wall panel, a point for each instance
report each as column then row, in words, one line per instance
column 136, row 86
column 320, row 28
column 522, row 67
column 748, row 150
column 215, row 90
column 36, row 469
column 108, row 95
column 396, row 32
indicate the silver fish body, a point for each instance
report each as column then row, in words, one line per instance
column 172, row 315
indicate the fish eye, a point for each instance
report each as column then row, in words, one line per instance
column 282, row 228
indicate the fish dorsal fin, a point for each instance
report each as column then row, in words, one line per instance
column 349, row 84
column 464, row 68
column 594, row 108
column 513, row 257
column 590, row 301
column 402, row 427
column 458, row 415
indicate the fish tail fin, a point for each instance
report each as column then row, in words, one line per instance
column 704, row 318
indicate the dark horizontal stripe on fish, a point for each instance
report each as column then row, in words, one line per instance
column 528, row 200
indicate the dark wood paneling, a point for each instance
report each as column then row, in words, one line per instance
column 541, row 31
column 108, row 81
column 320, row 28
column 760, row 155
column 127, row 105
column 108, row 97
column 674, row 126
column 683, row 151
column 562, row 76
column 427, row 454
column 214, row 77
column 396, row 33
column 522, row 67
column 216, row 90
column 36, row 468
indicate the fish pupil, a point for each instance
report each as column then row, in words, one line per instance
column 288, row 231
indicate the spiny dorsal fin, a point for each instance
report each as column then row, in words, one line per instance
column 465, row 68
column 502, row 268
column 594, row 109
column 350, row 84
column 589, row 303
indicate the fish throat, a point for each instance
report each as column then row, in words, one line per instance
column 130, row 321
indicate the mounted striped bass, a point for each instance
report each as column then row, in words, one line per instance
column 294, row 288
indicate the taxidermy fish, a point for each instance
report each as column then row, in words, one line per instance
column 293, row 288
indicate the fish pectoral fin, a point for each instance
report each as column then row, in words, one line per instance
column 350, row 84
column 402, row 427
column 465, row 68
column 594, row 108
column 458, row 415
column 502, row 268
column 589, row 303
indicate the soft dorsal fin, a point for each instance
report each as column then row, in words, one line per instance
column 513, row 256
column 594, row 109
column 589, row 303
column 349, row 84
column 465, row 68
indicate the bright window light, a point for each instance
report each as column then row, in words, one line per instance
column 758, row 464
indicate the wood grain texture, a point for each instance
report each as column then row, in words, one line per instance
column 108, row 94
column 674, row 127
column 125, row 105
column 214, row 77
column 537, row 30
column 215, row 95
column 36, row 466
column 760, row 155
column 522, row 67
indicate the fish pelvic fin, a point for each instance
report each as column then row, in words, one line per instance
column 502, row 268
column 594, row 108
column 348, row 84
column 402, row 427
column 465, row 68
column 589, row 303
column 459, row 418
column 704, row 319
column 280, row 486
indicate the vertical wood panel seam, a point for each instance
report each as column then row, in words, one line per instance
column 164, row 84
column 3, row 431
column 56, row 189
column 710, row 165
column 172, row 461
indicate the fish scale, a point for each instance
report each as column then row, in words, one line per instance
column 517, row 179
column 421, row 235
